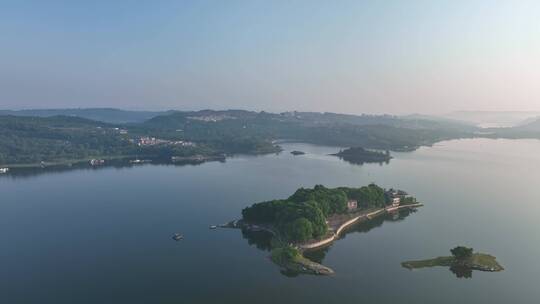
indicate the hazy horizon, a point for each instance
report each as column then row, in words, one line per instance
column 441, row 114
column 349, row 57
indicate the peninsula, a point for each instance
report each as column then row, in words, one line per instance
column 313, row 218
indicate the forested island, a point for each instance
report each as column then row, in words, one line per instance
column 462, row 262
column 314, row 217
column 359, row 155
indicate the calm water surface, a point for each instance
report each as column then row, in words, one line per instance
column 103, row 236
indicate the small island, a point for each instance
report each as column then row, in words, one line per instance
column 296, row 152
column 313, row 218
column 359, row 155
column 462, row 262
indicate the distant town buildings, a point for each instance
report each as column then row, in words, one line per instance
column 211, row 118
column 121, row 131
column 152, row 141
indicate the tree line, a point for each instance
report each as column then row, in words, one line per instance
column 302, row 216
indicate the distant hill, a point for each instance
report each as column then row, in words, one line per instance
column 178, row 118
column 369, row 131
column 492, row 119
column 27, row 139
column 532, row 124
column 440, row 119
column 100, row 114
column 33, row 139
column 530, row 128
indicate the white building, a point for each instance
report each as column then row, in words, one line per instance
column 352, row 205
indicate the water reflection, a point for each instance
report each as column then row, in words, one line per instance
column 21, row 173
column 263, row 240
column 461, row 272
column 360, row 161
column 364, row 227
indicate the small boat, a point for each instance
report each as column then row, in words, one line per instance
column 177, row 237
column 97, row 162
column 4, row 170
column 213, row 227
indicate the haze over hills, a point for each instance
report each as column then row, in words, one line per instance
column 494, row 119
column 109, row 115
column 532, row 124
column 32, row 139
column 31, row 136
column 458, row 119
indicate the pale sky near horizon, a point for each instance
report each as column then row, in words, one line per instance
column 356, row 57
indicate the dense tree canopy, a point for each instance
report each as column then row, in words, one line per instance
column 303, row 215
column 461, row 252
column 300, row 229
column 30, row 140
column 367, row 196
column 330, row 201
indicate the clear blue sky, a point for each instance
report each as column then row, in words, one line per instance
column 342, row 56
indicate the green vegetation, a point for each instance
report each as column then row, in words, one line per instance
column 486, row 261
column 408, row 200
column 295, row 222
column 358, row 155
column 26, row 139
column 108, row 115
column 62, row 139
column 32, row 139
column 461, row 263
column 302, row 216
column 33, row 136
column 461, row 252
column 374, row 132
column 446, row 261
column 284, row 255
column 371, row 196
column 293, row 261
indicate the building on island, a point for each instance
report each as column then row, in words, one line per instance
column 396, row 201
column 352, row 205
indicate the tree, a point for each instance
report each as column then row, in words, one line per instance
column 300, row 230
column 461, row 252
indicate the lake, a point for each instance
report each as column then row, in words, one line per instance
column 104, row 236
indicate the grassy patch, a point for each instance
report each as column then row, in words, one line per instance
column 487, row 261
column 440, row 261
column 292, row 260
column 478, row 261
